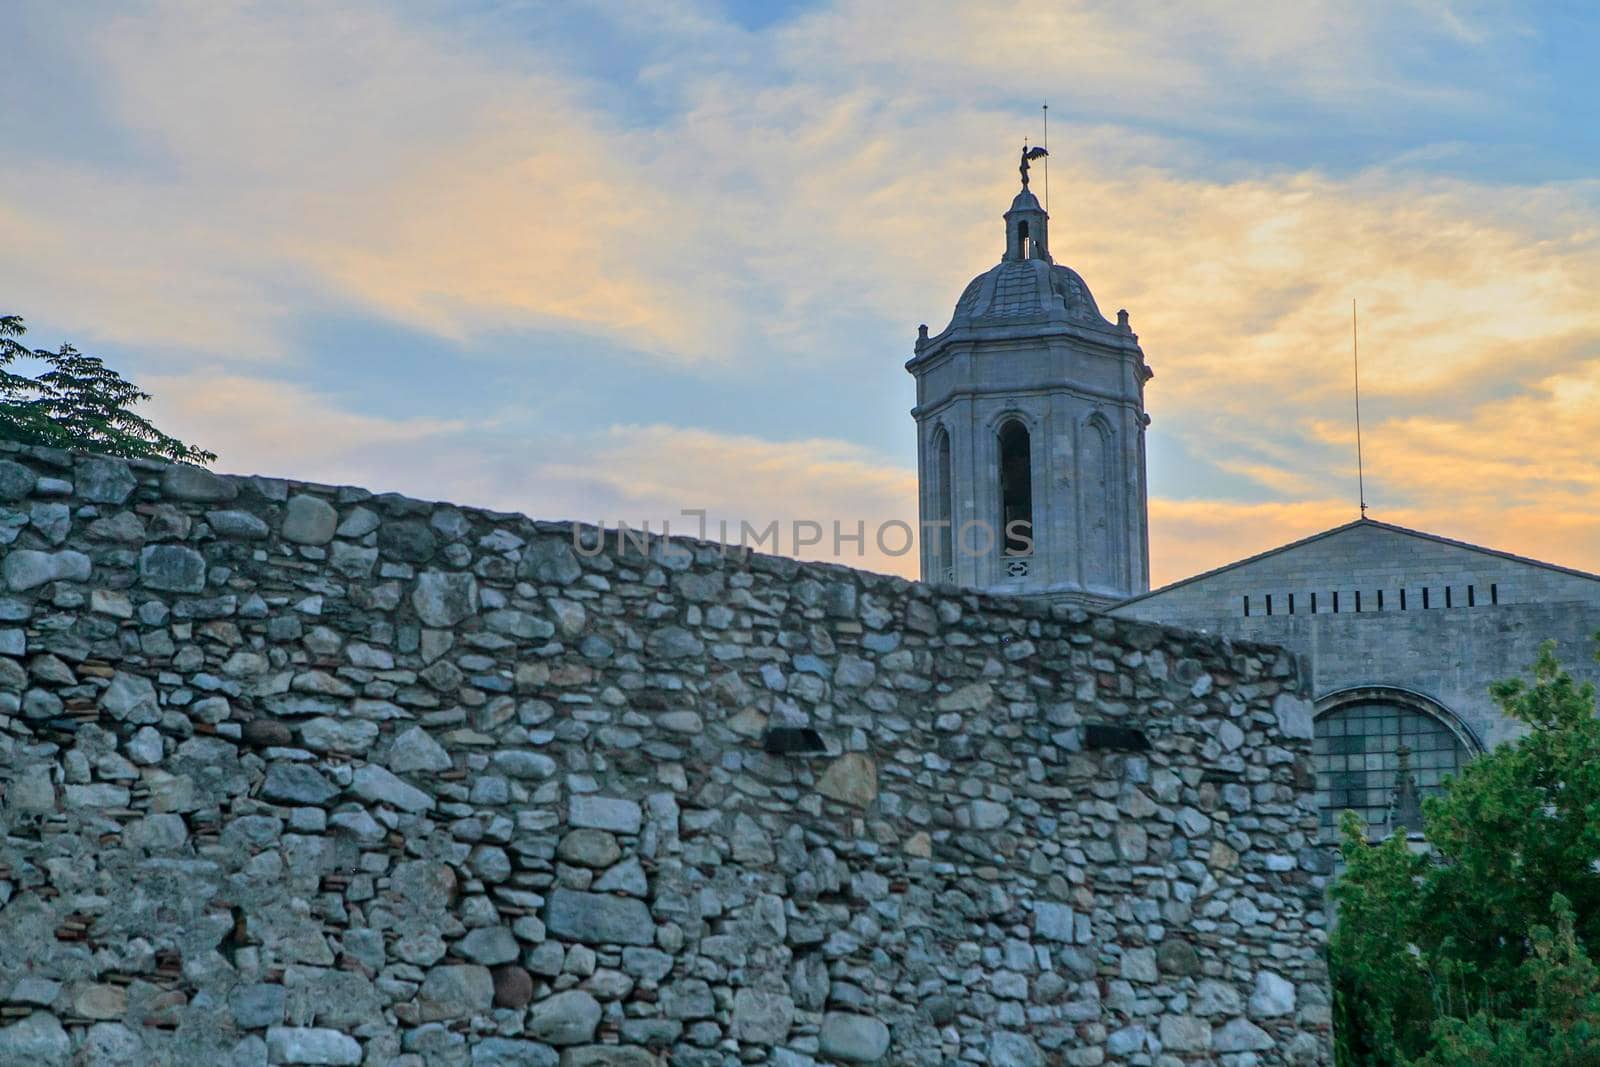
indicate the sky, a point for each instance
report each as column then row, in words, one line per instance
column 611, row 260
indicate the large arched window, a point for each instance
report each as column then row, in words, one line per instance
column 1357, row 752
column 1016, row 490
column 942, row 511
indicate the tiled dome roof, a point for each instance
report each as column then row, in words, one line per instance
column 1029, row 290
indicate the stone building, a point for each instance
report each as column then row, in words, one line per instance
column 1030, row 406
column 1404, row 632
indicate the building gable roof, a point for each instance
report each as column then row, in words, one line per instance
column 1362, row 523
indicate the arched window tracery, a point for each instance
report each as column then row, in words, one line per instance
column 1361, row 738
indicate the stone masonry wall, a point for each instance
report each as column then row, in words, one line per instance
column 300, row 774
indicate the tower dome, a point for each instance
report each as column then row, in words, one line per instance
column 1030, row 290
column 1030, row 418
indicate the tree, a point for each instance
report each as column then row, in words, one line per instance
column 1558, row 1027
column 1478, row 950
column 78, row 402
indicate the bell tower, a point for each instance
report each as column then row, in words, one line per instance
column 1030, row 432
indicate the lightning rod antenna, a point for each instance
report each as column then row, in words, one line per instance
column 1046, row 147
column 1355, row 363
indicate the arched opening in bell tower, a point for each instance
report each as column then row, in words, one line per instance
column 943, row 512
column 1023, row 242
column 1016, row 490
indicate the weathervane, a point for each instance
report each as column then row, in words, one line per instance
column 1028, row 156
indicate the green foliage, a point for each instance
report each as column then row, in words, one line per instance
column 1381, row 995
column 78, row 402
column 1558, row 1027
column 1478, row 953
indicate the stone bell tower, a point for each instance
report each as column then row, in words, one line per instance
column 1030, row 432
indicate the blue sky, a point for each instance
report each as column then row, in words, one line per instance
column 601, row 260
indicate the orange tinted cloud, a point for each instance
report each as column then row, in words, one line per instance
column 654, row 472
column 1191, row 536
column 316, row 156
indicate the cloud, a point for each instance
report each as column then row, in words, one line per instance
column 655, row 472
column 1470, row 297
column 806, row 195
column 280, row 429
column 337, row 156
column 638, row 474
column 296, row 154
column 1214, row 68
column 1188, row 537
column 1515, row 472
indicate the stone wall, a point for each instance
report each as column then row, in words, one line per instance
column 299, row 774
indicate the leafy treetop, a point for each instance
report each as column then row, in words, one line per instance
column 78, row 402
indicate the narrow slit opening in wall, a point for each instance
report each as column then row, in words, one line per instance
column 1336, row 603
column 1269, row 603
column 1313, row 603
column 1424, row 598
column 1472, row 596
column 1380, row 600
column 1494, row 592
column 1447, row 602
column 1291, row 603
column 1247, row 607
column 793, row 741
column 1117, row 738
column 1402, row 598
column 1358, row 600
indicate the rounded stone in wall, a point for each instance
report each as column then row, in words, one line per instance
column 406, row 540
column 102, row 480
column 1178, row 958
column 851, row 779
column 513, row 986
column 568, row 1018
column 853, row 1038
column 308, row 520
